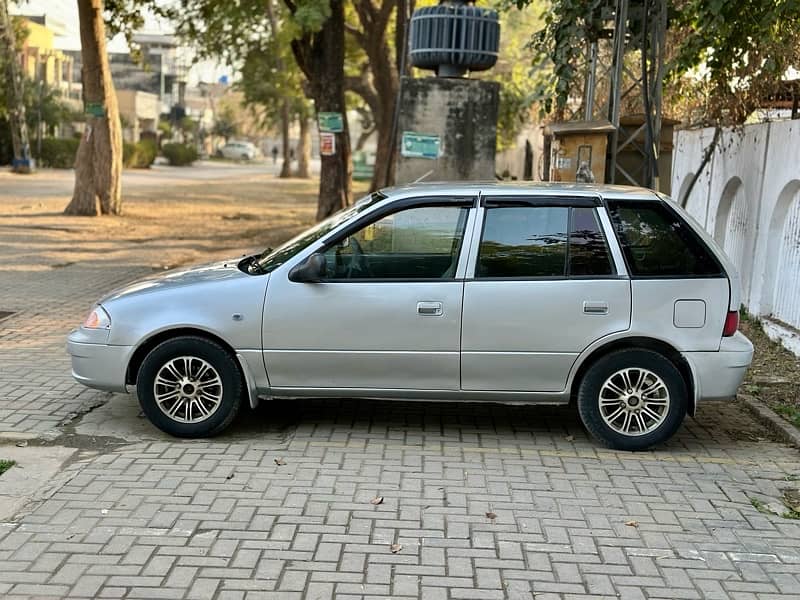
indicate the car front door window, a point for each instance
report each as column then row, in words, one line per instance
column 417, row 243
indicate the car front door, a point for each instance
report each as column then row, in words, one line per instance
column 387, row 314
column 544, row 287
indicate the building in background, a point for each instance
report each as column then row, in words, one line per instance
column 139, row 113
column 42, row 61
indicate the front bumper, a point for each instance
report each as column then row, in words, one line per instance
column 717, row 375
column 98, row 365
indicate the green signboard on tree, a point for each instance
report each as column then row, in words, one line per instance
column 330, row 122
column 95, row 109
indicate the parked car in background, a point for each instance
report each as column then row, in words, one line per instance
column 609, row 297
column 238, row 151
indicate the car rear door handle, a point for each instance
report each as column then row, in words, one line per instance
column 595, row 308
column 429, row 309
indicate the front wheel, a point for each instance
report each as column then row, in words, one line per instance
column 190, row 387
column 632, row 399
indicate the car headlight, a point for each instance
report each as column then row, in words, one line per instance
column 97, row 319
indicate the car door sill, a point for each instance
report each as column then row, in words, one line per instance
column 503, row 397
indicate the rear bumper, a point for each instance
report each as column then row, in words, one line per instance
column 99, row 366
column 717, row 375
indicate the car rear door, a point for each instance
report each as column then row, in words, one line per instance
column 544, row 285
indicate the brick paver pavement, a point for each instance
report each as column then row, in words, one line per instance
column 36, row 390
column 221, row 519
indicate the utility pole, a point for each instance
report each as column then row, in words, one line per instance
column 627, row 32
column 16, row 106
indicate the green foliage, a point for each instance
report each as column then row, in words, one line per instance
column 310, row 15
column 226, row 125
column 724, row 55
column 5, row 465
column 735, row 51
column 58, row 153
column 266, row 85
column 140, row 155
column 557, row 47
column 519, row 81
column 179, row 155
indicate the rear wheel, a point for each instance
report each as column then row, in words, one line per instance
column 632, row 399
column 190, row 387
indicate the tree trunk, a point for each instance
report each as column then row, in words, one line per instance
column 14, row 95
column 98, row 164
column 321, row 57
column 304, row 149
column 707, row 154
column 385, row 81
column 286, row 167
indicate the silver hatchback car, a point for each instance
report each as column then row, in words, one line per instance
column 611, row 297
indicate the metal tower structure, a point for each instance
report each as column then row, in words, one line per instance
column 624, row 71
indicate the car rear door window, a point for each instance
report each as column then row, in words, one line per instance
column 657, row 243
column 524, row 241
column 528, row 241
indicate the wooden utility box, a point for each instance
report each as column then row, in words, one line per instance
column 574, row 142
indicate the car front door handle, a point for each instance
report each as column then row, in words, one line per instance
column 429, row 309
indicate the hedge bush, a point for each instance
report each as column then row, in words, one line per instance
column 179, row 155
column 140, row 155
column 58, row 153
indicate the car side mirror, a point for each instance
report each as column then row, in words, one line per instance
column 311, row 270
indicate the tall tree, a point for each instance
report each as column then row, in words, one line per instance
column 319, row 49
column 316, row 29
column 273, row 89
column 98, row 164
column 15, row 101
column 284, row 102
column 379, row 81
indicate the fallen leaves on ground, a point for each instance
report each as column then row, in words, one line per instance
column 491, row 515
column 377, row 500
column 632, row 523
column 280, row 462
column 395, row 548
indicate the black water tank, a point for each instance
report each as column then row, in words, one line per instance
column 453, row 38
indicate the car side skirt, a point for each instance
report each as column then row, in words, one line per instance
column 429, row 395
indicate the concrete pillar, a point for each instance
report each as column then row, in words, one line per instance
column 463, row 113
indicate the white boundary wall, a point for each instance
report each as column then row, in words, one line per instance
column 748, row 198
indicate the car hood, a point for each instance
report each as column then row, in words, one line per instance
column 221, row 271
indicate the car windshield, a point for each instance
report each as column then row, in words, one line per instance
column 271, row 259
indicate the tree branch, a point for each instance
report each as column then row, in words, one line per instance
column 360, row 84
column 709, row 152
column 357, row 34
column 384, row 14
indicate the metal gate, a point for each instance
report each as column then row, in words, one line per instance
column 786, row 306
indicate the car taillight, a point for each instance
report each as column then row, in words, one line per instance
column 731, row 323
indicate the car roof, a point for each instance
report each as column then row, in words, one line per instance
column 527, row 188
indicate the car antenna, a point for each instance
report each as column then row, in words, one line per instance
column 422, row 177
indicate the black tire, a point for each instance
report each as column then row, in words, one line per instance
column 216, row 356
column 596, row 376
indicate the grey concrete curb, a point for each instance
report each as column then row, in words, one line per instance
column 770, row 419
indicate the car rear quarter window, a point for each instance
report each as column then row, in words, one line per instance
column 657, row 243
